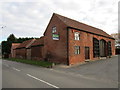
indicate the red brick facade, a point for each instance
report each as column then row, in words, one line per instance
column 58, row 44
column 55, row 50
column 62, row 50
column 86, row 40
column 23, row 50
column 37, row 53
column 21, row 53
column 37, row 49
column 13, row 51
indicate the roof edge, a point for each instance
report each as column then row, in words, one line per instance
column 90, row 32
column 54, row 14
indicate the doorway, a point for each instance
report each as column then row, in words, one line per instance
column 87, row 53
column 103, row 48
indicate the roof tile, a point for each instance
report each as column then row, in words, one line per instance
column 26, row 44
column 75, row 24
column 40, row 41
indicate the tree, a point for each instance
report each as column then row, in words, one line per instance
column 6, row 48
column 12, row 38
column 6, row 45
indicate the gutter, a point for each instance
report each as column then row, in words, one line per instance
column 37, row 45
column 20, row 48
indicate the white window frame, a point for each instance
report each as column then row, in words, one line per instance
column 77, row 50
column 76, row 35
column 54, row 29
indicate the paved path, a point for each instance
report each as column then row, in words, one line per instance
column 18, row 75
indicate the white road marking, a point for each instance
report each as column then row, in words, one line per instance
column 16, row 69
column 43, row 81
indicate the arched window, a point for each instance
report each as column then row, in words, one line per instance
column 96, row 47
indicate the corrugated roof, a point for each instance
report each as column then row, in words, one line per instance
column 78, row 25
column 26, row 44
column 40, row 41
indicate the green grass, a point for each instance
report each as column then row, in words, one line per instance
column 33, row 62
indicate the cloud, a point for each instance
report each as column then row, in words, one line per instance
column 29, row 18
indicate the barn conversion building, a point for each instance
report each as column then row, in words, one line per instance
column 23, row 51
column 69, row 42
column 13, row 51
column 37, row 49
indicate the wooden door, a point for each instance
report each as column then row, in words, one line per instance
column 87, row 53
column 28, row 54
column 103, row 48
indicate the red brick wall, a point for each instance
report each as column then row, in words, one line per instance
column 21, row 53
column 56, row 49
column 13, row 53
column 86, row 39
column 28, row 54
column 37, row 53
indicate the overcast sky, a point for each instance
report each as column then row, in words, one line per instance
column 29, row 18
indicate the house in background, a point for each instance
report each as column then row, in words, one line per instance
column 23, row 49
column 68, row 41
column 117, row 42
column 13, row 51
column 37, row 49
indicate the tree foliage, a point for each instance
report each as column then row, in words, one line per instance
column 12, row 38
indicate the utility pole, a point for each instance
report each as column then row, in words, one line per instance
column 1, row 27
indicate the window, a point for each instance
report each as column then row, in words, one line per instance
column 77, row 35
column 77, row 49
column 54, row 29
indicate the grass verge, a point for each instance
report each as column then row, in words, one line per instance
column 32, row 62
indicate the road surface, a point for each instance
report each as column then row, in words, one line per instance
column 19, row 75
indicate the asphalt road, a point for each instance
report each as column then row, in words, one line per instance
column 18, row 75
column 103, row 69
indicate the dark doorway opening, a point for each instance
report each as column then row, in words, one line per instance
column 87, row 53
column 109, row 51
column 103, row 48
column 96, row 50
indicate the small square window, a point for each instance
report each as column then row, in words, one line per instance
column 54, row 29
column 77, row 35
column 77, row 49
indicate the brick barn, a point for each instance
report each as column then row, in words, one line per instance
column 70, row 42
column 37, row 49
column 23, row 51
column 13, row 51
